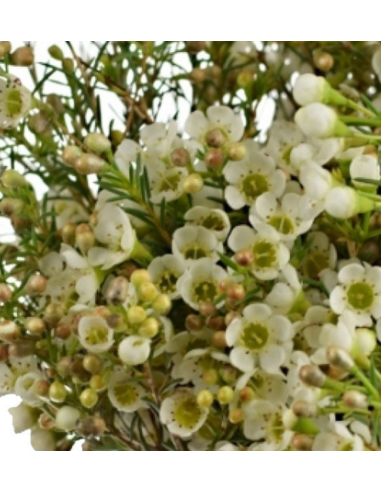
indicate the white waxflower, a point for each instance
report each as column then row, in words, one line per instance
column 165, row 182
column 165, row 272
column 94, row 334
column 181, row 413
column 200, row 283
column 359, row 292
column 290, row 218
column 23, row 418
column 364, row 166
column 159, row 139
column 241, row 53
column 316, row 181
column 309, row 88
column 114, row 231
column 220, row 118
column 213, row 219
column 191, row 243
column 264, row 421
column 24, row 388
column 126, row 153
column 251, row 177
column 266, row 386
column 270, row 255
column 15, row 101
column 259, row 338
column 283, row 137
column 338, row 438
column 51, row 264
column 296, row 388
column 65, row 208
column 67, row 417
column 287, row 293
column 10, row 372
column 42, row 440
column 124, row 393
column 134, row 350
column 314, row 320
column 319, row 121
column 321, row 254
column 81, row 274
column 106, row 196
column 342, row 202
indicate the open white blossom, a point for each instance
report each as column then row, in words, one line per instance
column 191, row 243
column 94, row 334
column 15, row 101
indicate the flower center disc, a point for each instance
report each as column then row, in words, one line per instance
column 213, row 222
column 315, row 263
column 187, row 413
column 167, row 282
column 282, row 224
column 125, row 394
column 264, row 254
column 254, row 185
column 205, row 291
column 255, row 336
column 14, row 102
column 195, row 252
column 169, row 182
column 360, row 295
column 97, row 334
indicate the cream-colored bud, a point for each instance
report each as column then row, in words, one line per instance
column 13, row 179
column 67, row 418
column 22, row 57
column 237, row 151
column 219, row 339
column 139, row 276
column 92, row 364
column 11, row 206
column 312, row 375
column 306, row 409
column 37, row 284
column 88, row 398
column 205, row 398
column 197, row 75
column 323, row 61
column 70, row 154
column 215, row 138
column 57, row 392
column 5, row 48
column 339, row 357
column 117, row 290
column 236, row 415
column 68, row 233
column 210, row 377
column 53, row 313
column 136, row 315
column 244, row 257
column 149, row 328
column 97, row 143
column 84, row 238
column 207, row 309
column 302, row 442
column 193, row 183
column 246, row 394
column 235, row 292
column 225, row 395
column 162, row 304
column 89, row 164
column 9, row 331
column 193, row 322
column 35, row 326
column 5, row 293
column 355, row 399
column 180, row 157
column 147, row 291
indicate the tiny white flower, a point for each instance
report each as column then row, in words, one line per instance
column 191, row 243
column 67, row 417
column 213, row 219
column 124, row 393
column 287, row 293
column 42, row 440
column 319, row 121
column 251, row 177
column 125, row 154
column 316, row 181
column 364, row 166
column 283, row 137
column 358, row 292
column 65, row 208
column 24, row 388
column 94, row 334
column 181, row 413
column 309, row 88
column 165, row 182
column 23, row 418
column 220, row 118
column 15, row 101
column 270, row 254
column 341, row 202
column 200, row 283
column 321, row 254
column 290, row 218
column 337, row 438
column 134, row 350
column 259, row 338
column 165, row 272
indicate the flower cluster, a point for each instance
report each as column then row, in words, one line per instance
column 212, row 293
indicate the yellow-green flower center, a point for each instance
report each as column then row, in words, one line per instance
column 195, row 251
column 255, row 336
column 253, row 186
column 13, row 102
column 212, row 222
column 360, row 295
column 206, row 290
column 264, row 254
column 167, row 282
column 276, row 427
column 187, row 413
column 315, row 263
column 169, row 182
column 282, row 224
column 125, row 394
column 96, row 335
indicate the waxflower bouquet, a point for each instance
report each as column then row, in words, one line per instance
column 210, row 283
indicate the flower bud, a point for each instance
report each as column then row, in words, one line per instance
column 225, row 395
column 235, row 292
column 67, row 418
column 41, row 388
column 5, row 293
column 193, row 184
column 56, row 52
column 117, row 290
column 365, row 341
column 232, row 315
column 5, row 48
column 57, row 392
column 339, row 357
column 237, row 151
column 147, row 291
column 53, row 313
column 306, row 409
column 22, row 57
column 89, row 164
column 302, row 442
column 70, row 154
column 193, row 322
column 205, row 399
column 97, row 382
column 92, row 364
column 149, row 328
column 214, row 158
column 117, row 137
column 236, row 415
column 244, row 257
column 139, row 276
column 229, row 374
column 312, row 376
column 97, row 143
column 210, row 377
column 37, row 284
column 68, row 65
column 197, row 75
column 136, row 315
column 88, row 398
column 42, row 440
column 323, row 61
column 162, row 304
column 219, row 339
column 215, row 138
column 62, row 331
column 319, row 121
column 68, row 233
column 246, row 394
column 12, row 179
column 216, row 323
column 91, row 426
column 207, row 309
column 9, row 331
column 355, row 399
column 11, row 206
column 84, row 238
column 180, row 157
